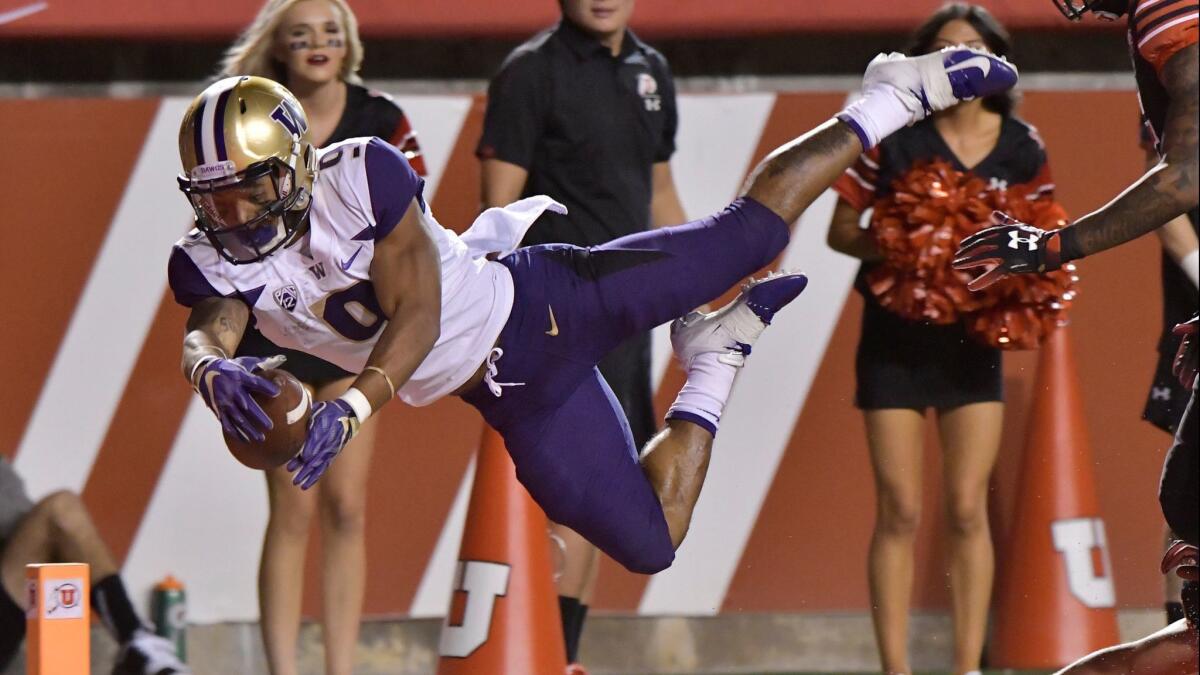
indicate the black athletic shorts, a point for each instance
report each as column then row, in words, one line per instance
column 1167, row 397
column 306, row 367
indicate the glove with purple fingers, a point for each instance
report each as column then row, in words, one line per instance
column 226, row 386
column 1008, row 247
column 332, row 425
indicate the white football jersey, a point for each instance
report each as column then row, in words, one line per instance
column 316, row 296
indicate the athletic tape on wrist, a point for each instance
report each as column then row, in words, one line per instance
column 358, row 403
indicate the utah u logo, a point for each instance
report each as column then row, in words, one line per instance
column 647, row 88
column 1075, row 539
column 287, row 297
column 646, row 84
column 483, row 582
column 289, row 118
column 1015, row 240
column 63, row 601
column 68, row 596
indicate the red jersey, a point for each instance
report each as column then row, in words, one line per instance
column 1159, row 29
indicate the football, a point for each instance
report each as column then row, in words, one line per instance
column 289, row 411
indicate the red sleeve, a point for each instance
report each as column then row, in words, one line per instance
column 1040, row 191
column 1042, row 182
column 404, row 138
column 1161, row 28
column 857, row 185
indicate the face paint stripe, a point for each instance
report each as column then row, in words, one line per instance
column 219, row 124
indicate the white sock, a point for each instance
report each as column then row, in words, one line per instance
column 878, row 114
column 703, row 397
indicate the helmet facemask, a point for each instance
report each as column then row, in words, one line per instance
column 1107, row 10
column 250, row 214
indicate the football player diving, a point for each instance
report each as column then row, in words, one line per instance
column 1162, row 37
column 421, row 312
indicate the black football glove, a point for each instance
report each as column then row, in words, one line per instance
column 1008, row 247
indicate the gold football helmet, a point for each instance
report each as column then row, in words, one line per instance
column 248, row 166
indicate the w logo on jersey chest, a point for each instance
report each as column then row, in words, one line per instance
column 287, row 297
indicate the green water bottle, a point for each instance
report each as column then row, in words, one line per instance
column 170, row 613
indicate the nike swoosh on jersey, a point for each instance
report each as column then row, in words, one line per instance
column 983, row 63
column 553, row 324
column 350, row 261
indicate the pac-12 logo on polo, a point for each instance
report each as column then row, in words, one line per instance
column 287, row 297
column 647, row 88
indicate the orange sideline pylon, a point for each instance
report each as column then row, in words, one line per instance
column 503, row 617
column 1055, row 598
column 57, row 619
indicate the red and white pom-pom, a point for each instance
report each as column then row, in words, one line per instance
column 918, row 228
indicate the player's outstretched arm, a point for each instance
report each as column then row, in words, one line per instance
column 1169, row 189
column 795, row 174
column 406, row 273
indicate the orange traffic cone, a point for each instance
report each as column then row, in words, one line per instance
column 503, row 617
column 1055, row 596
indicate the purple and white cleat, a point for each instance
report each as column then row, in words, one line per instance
column 974, row 73
column 940, row 80
column 733, row 329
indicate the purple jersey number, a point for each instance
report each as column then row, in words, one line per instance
column 360, row 325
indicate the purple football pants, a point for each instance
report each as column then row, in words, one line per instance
column 562, row 425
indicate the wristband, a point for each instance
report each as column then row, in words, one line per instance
column 1191, row 266
column 358, row 403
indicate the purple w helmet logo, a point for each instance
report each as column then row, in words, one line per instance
column 291, row 120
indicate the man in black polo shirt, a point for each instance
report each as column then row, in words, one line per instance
column 585, row 112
